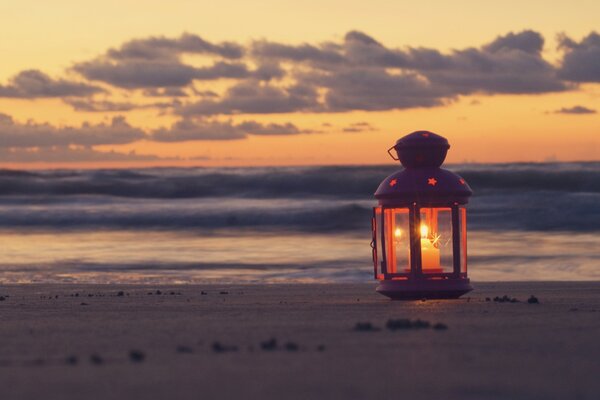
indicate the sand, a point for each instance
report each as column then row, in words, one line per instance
column 88, row 342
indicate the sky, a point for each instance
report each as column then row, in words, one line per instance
column 239, row 83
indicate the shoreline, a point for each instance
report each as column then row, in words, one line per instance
column 118, row 341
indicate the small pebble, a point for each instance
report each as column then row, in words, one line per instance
column 488, row 299
column 404, row 323
column 291, row 346
column 223, row 292
column 184, row 349
column 2, row 298
column 158, row 292
column 533, row 300
column 71, row 360
column 321, row 347
column 137, row 356
column 96, row 359
column 84, row 304
column 121, row 293
column 220, row 348
column 203, row 293
column 365, row 327
column 505, row 299
column 440, row 327
column 269, row 345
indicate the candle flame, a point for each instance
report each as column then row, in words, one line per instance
column 424, row 231
column 398, row 233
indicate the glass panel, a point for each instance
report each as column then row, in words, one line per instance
column 397, row 240
column 436, row 240
column 463, row 240
column 375, row 224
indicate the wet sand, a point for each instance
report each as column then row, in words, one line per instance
column 297, row 342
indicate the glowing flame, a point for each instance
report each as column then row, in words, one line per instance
column 424, row 231
column 398, row 233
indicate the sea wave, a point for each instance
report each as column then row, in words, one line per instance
column 558, row 197
column 337, row 181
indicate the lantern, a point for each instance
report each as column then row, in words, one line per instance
column 419, row 227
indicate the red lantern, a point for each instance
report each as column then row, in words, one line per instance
column 419, row 228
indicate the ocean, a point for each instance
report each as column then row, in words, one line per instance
column 526, row 222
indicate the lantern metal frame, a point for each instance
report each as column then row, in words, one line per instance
column 420, row 186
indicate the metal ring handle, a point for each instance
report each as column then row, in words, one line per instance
column 392, row 154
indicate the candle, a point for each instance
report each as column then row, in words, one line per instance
column 430, row 255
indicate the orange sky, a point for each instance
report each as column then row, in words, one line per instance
column 482, row 125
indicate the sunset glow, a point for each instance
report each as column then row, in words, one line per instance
column 241, row 84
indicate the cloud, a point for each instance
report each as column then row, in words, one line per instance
column 575, row 110
column 65, row 154
column 160, row 47
column 32, row 84
column 35, row 135
column 372, row 89
column 360, row 73
column 91, row 105
column 511, row 64
column 581, row 61
column 165, row 92
column 156, row 73
column 254, row 97
column 359, row 127
column 187, row 130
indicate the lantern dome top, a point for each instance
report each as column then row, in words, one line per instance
column 421, row 149
column 422, row 180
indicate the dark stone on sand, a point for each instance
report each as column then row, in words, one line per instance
column 203, row 293
column 505, row 299
column 269, row 345
column 184, row 349
column 405, row 323
column 291, row 346
column 121, row 293
column 321, row 347
column 84, row 304
column 136, row 356
column 533, row 300
column 440, row 326
column 220, row 348
column 223, row 292
column 71, row 360
column 488, row 299
column 96, row 359
column 158, row 292
column 2, row 298
column 365, row 327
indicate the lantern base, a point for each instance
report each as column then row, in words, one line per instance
column 424, row 289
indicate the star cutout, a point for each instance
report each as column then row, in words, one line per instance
column 462, row 181
column 393, row 182
column 432, row 181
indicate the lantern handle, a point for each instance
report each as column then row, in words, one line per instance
column 392, row 154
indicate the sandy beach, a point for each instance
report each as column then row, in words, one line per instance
column 297, row 342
